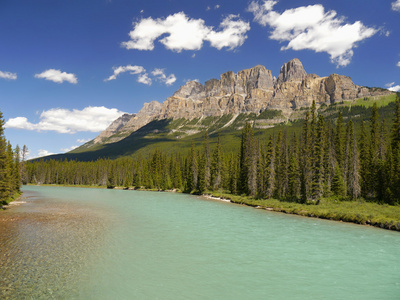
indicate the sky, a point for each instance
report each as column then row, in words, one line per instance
column 68, row 68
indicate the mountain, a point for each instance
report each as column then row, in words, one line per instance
column 253, row 90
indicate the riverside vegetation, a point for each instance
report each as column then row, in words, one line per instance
column 10, row 172
column 329, row 169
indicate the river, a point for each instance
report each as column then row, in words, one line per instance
column 77, row 243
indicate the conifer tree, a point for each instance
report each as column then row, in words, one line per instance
column 318, row 178
column 270, row 173
column 283, row 166
column 339, row 148
column 353, row 172
column 216, row 166
column 193, row 169
column 306, row 163
column 4, row 168
column 245, row 159
column 207, row 162
column 364, row 160
column 294, row 174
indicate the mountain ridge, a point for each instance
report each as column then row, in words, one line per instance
column 252, row 90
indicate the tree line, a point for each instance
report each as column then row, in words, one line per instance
column 328, row 159
column 10, row 168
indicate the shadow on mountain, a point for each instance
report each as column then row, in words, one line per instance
column 154, row 132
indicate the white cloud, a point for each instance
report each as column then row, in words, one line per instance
column 217, row 6
column 144, row 78
column 160, row 75
column 188, row 80
column 43, row 152
column 82, row 141
column 8, row 75
column 396, row 5
column 122, row 69
column 398, row 64
column 184, row 33
column 57, row 76
column 393, row 88
column 232, row 35
column 92, row 118
column 69, row 149
column 310, row 27
column 388, row 85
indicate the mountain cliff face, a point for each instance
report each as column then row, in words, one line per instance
column 249, row 91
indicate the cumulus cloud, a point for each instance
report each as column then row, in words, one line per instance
column 43, row 152
column 123, row 69
column 310, row 27
column 160, row 75
column 231, row 35
column 92, row 118
column 8, row 75
column 396, row 5
column 69, row 149
column 82, row 141
column 184, row 33
column 143, row 76
column 393, row 88
column 57, row 76
column 398, row 64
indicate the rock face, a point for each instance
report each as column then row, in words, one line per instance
column 292, row 71
column 249, row 91
column 144, row 116
column 114, row 127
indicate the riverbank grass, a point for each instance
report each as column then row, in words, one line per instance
column 359, row 212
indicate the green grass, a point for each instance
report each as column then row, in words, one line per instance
column 369, row 101
column 359, row 212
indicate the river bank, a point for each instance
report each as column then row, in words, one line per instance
column 359, row 212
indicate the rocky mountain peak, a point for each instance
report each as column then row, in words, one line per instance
column 191, row 89
column 251, row 90
column 291, row 71
column 114, row 127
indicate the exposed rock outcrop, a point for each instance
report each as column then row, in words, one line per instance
column 251, row 90
column 114, row 127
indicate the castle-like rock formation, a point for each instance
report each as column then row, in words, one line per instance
column 249, row 91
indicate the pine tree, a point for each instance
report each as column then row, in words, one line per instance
column 283, row 166
column 246, row 160
column 339, row 148
column 373, row 153
column 216, row 166
column 353, row 173
column 294, row 174
column 270, row 173
column 193, row 169
column 318, row 178
column 306, row 163
column 364, row 160
column 4, row 168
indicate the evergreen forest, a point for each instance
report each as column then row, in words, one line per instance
column 10, row 169
column 341, row 160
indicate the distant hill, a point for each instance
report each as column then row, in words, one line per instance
column 225, row 105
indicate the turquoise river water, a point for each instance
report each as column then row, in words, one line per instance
column 76, row 243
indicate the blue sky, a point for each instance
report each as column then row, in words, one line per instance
column 70, row 67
